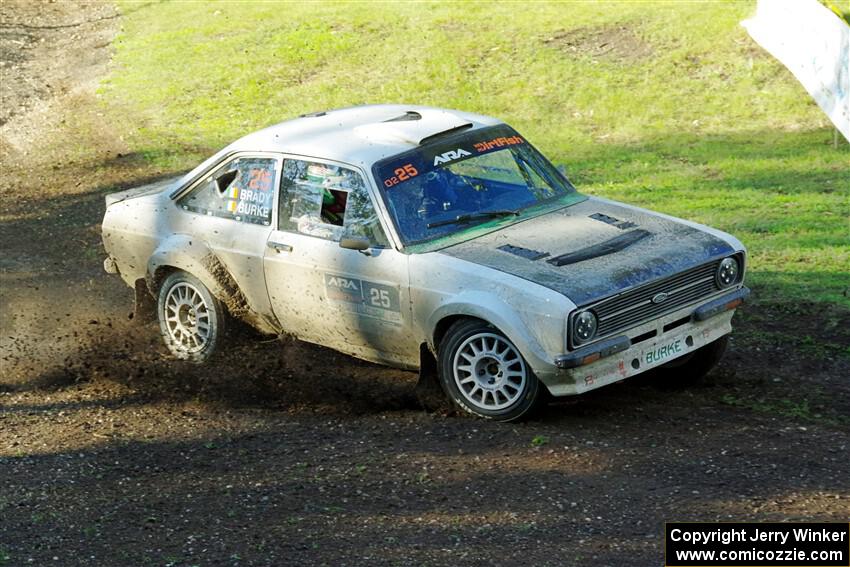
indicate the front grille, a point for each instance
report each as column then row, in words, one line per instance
column 635, row 306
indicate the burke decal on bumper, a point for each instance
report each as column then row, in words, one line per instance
column 663, row 352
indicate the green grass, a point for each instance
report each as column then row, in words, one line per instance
column 539, row 441
column 705, row 125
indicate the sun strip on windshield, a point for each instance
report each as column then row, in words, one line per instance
column 408, row 171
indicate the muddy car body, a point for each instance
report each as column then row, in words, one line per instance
column 411, row 236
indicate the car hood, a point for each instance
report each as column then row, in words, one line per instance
column 593, row 249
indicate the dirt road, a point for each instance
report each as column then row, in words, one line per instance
column 112, row 454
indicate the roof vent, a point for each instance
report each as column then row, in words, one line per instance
column 406, row 117
column 412, row 128
column 444, row 133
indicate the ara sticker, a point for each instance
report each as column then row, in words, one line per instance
column 450, row 155
column 370, row 299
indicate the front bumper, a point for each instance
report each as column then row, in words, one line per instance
column 645, row 347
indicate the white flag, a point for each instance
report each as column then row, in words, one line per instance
column 814, row 43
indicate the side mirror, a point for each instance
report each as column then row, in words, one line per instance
column 358, row 243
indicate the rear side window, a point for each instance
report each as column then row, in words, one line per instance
column 328, row 201
column 242, row 190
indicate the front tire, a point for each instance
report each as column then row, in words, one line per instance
column 191, row 320
column 485, row 374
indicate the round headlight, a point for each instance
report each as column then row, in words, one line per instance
column 727, row 272
column 584, row 327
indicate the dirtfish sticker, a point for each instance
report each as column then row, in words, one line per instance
column 367, row 298
column 499, row 142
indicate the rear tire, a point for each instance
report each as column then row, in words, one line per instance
column 191, row 320
column 695, row 366
column 484, row 374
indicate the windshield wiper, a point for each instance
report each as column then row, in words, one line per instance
column 473, row 216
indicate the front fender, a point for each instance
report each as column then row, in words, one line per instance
column 533, row 333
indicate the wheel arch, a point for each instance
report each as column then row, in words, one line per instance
column 181, row 252
column 493, row 311
column 443, row 325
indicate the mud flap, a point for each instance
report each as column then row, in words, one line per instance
column 144, row 304
column 429, row 392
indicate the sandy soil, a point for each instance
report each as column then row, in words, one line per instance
column 113, row 454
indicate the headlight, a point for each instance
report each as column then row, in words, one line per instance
column 727, row 272
column 584, row 327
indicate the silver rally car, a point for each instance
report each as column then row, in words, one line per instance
column 426, row 239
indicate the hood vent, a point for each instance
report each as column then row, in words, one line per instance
column 622, row 225
column 523, row 252
column 603, row 248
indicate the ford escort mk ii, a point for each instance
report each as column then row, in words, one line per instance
column 426, row 239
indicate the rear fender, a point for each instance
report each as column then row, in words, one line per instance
column 185, row 253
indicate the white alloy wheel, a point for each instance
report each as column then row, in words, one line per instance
column 489, row 371
column 187, row 318
column 190, row 318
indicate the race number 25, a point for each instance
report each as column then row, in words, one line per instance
column 380, row 298
column 402, row 173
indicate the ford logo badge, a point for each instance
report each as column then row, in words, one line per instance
column 660, row 297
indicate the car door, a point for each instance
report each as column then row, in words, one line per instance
column 355, row 301
column 232, row 210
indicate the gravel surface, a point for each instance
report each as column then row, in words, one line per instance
column 283, row 453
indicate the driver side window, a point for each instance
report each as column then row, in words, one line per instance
column 327, row 201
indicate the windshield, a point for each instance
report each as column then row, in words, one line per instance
column 464, row 180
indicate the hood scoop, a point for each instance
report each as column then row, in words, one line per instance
column 523, row 252
column 603, row 248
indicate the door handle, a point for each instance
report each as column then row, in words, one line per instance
column 279, row 246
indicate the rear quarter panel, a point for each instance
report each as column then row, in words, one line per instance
column 144, row 234
column 132, row 230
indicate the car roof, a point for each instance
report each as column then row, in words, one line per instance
column 359, row 135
